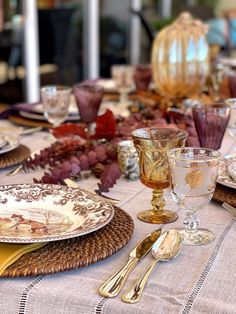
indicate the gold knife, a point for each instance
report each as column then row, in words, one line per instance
column 114, row 284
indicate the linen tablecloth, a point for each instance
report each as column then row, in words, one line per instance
column 200, row 280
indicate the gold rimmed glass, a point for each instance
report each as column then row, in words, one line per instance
column 152, row 145
column 193, row 180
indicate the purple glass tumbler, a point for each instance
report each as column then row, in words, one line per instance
column 232, row 85
column 211, row 122
column 142, row 76
column 88, row 98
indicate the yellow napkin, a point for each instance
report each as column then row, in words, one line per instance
column 10, row 253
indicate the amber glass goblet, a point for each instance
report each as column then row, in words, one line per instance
column 152, row 145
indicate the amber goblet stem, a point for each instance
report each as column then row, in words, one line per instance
column 158, row 214
column 158, row 202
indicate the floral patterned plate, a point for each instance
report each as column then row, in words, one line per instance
column 45, row 212
column 224, row 177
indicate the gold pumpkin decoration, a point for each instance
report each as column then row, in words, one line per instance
column 180, row 58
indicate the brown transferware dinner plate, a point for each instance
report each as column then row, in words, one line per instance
column 46, row 212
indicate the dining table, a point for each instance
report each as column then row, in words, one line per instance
column 201, row 279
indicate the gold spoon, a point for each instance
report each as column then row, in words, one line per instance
column 165, row 248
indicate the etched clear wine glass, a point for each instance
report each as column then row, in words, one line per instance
column 123, row 76
column 193, row 173
column 56, row 101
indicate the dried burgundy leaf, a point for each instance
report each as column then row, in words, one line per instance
column 109, row 176
column 105, row 126
column 69, row 129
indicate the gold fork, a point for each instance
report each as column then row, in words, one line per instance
column 15, row 170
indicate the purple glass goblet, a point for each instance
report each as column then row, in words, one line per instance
column 142, row 76
column 88, row 98
column 211, row 122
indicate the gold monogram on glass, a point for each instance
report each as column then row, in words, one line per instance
column 193, row 180
column 152, row 145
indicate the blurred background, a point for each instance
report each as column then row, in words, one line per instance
column 69, row 41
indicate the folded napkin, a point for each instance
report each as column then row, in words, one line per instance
column 17, row 107
column 10, row 253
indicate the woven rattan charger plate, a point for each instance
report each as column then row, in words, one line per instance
column 225, row 194
column 78, row 252
column 14, row 157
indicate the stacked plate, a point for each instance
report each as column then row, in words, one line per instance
column 8, row 143
column 108, row 85
column 36, row 113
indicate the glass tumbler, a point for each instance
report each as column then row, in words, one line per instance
column 142, row 76
column 211, row 122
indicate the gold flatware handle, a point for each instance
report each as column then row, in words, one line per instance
column 134, row 293
column 15, row 171
column 114, row 284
